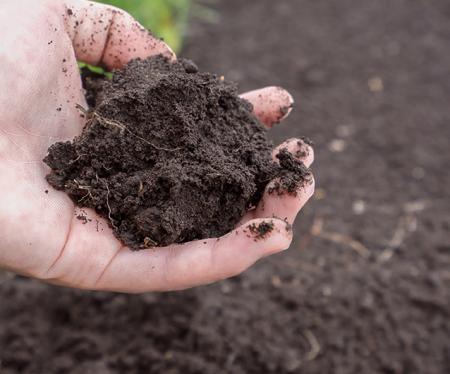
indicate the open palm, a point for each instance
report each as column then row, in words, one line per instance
column 40, row 85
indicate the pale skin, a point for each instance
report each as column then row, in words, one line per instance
column 40, row 88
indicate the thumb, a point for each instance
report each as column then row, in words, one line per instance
column 195, row 263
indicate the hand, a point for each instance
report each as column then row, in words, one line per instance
column 40, row 235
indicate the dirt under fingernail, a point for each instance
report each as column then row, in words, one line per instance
column 168, row 154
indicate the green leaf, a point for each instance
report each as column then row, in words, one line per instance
column 95, row 69
column 165, row 18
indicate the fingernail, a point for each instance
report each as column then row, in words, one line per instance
column 285, row 97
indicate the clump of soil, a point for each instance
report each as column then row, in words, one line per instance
column 262, row 230
column 169, row 155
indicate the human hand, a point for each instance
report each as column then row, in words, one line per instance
column 40, row 235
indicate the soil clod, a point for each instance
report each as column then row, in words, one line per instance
column 169, row 155
column 262, row 230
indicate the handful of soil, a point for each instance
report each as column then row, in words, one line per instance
column 169, row 155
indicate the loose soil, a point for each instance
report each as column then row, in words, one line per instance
column 169, row 155
column 325, row 305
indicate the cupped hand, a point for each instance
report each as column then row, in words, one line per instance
column 40, row 235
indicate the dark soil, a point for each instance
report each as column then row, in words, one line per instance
column 169, row 155
column 325, row 305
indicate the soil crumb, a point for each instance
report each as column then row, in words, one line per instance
column 262, row 230
column 291, row 174
column 169, row 155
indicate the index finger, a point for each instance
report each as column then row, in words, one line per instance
column 102, row 34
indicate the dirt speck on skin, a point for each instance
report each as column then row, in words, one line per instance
column 288, row 226
column 83, row 218
column 169, row 155
column 262, row 230
column 302, row 151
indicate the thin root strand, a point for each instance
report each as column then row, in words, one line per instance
column 123, row 128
